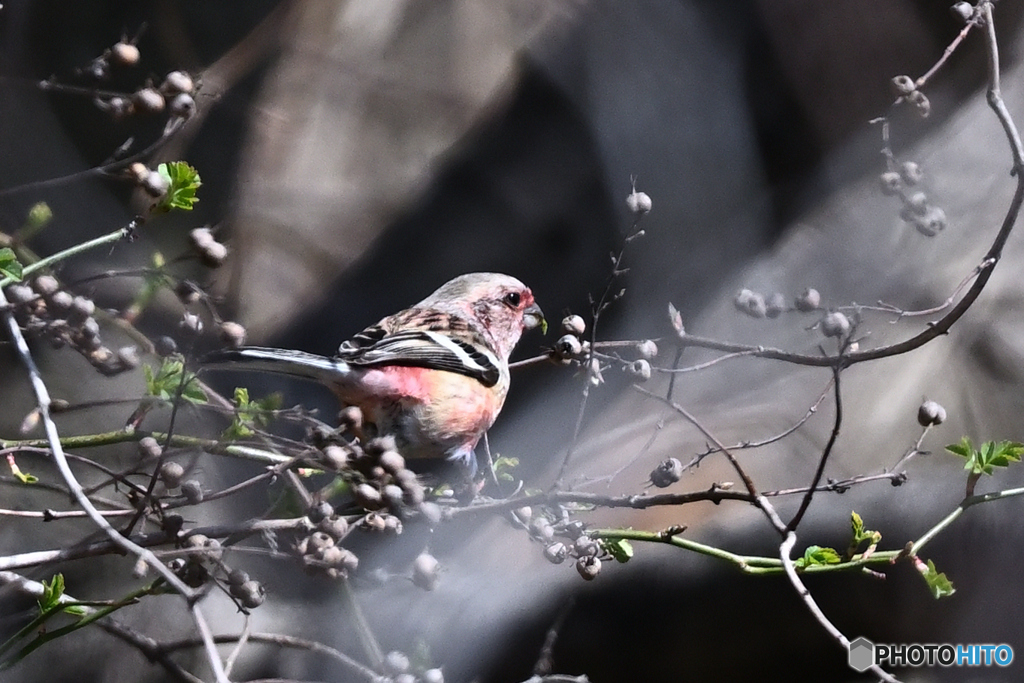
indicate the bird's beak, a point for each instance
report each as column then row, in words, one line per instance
column 533, row 317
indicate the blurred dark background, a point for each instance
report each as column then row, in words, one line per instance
column 355, row 155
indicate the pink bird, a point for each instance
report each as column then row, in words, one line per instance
column 434, row 376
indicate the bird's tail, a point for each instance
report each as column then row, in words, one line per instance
column 279, row 361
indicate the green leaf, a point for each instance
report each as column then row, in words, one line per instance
column 164, row 383
column 183, row 181
column 10, row 267
column 620, row 549
column 26, row 478
column 51, row 593
column 860, row 534
column 504, row 466
column 987, row 457
column 816, row 555
column 938, row 583
column 251, row 415
column 963, row 449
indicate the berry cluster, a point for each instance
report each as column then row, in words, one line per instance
column 44, row 309
column 563, row 539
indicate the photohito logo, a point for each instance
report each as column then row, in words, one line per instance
column 864, row 653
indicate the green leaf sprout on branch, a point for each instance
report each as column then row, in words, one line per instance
column 940, row 586
column 10, row 267
column 861, row 535
column 183, row 182
column 164, row 383
column 817, row 555
column 251, row 415
column 988, row 456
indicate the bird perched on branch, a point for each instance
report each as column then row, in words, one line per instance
column 434, row 376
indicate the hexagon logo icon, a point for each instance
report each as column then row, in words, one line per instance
column 862, row 654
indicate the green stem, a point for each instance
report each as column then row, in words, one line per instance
column 177, row 440
column 91, row 616
column 109, row 238
column 749, row 564
column 752, row 564
column 966, row 503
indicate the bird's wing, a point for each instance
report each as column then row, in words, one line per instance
column 464, row 352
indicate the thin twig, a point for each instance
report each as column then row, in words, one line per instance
column 744, row 445
column 785, row 552
column 53, row 439
column 823, row 459
column 109, row 238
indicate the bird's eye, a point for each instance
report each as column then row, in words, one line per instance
column 512, row 299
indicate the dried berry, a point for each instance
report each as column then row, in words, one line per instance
column 251, row 594
column 751, row 303
column 367, row 496
column 667, row 472
column 810, row 300
column 432, row 676
column 193, row 491
column 165, row 346
column 335, row 527
column 573, row 324
column 911, row 173
column 588, row 567
column 171, row 474
column 426, row 571
column 320, row 511
column 183, row 106
column 335, row 457
column 232, row 334
column 638, row 202
column 647, row 349
column 921, row 103
column 396, row 662
column 568, row 346
column 903, row 85
column 962, row 11
column 318, row 540
column 891, row 183
column 125, row 53
column 149, row 448
column 918, row 203
column 775, row 305
column 556, row 553
column 178, row 82
column 236, row 577
column 835, row 324
column 45, row 285
column 640, row 369
column 148, row 101
column 930, row 413
column 391, row 461
column 931, row 223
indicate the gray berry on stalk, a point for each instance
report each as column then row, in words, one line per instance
column 835, row 324
column 588, row 567
column 667, row 472
column 573, row 324
column 930, row 413
column 426, row 571
column 638, row 202
column 810, row 300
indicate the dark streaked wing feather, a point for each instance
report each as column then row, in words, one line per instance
column 375, row 347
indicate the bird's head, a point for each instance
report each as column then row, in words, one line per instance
column 501, row 304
